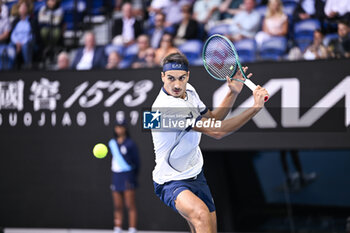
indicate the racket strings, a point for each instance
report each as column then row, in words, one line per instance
column 220, row 58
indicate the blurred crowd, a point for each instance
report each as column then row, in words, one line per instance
column 34, row 33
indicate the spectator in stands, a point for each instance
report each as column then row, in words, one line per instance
column 316, row 50
column 166, row 47
column 275, row 22
column 62, row 61
column 143, row 45
column 157, row 32
column 206, row 12
column 173, row 12
column 7, row 53
column 229, row 8
column 187, row 29
column 340, row 47
column 23, row 30
column 89, row 57
column 149, row 61
column 307, row 9
column 337, row 9
column 114, row 60
column 15, row 7
column 137, row 6
column 126, row 29
column 157, row 6
column 4, row 11
column 245, row 24
column 50, row 20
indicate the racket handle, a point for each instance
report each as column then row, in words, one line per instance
column 252, row 87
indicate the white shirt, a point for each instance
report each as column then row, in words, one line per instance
column 340, row 6
column 178, row 155
column 85, row 62
column 128, row 30
column 249, row 21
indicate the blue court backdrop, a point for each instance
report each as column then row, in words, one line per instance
column 50, row 121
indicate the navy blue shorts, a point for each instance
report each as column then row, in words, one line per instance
column 122, row 181
column 169, row 191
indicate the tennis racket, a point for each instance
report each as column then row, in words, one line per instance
column 221, row 60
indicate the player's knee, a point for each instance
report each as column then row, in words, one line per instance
column 131, row 206
column 200, row 217
column 118, row 208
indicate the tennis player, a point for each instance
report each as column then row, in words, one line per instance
column 125, row 167
column 178, row 177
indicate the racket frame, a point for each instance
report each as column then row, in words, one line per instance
column 246, row 80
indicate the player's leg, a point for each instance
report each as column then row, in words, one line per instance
column 195, row 211
column 191, row 226
column 118, row 208
column 213, row 220
column 130, row 203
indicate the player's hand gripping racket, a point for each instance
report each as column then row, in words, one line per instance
column 221, row 60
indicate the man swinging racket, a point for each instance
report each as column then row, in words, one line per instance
column 178, row 177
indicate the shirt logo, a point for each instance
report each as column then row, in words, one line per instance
column 152, row 120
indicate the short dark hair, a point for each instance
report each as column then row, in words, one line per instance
column 344, row 22
column 178, row 58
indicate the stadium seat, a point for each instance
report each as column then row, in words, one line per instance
column 262, row 10
column 73, row 12
column 129, row 55
column 304, row 32
column 274, row 48
column 327, row 38
column 246, row 50
column 193, row 51
column 289, row 7
column 113, row 48
column 290, row 1
column 219, row 29
column 38, row 5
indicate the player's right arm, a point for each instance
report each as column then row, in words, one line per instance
column 225, row 106
column 231, row 125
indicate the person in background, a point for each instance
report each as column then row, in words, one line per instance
column 125, row 168
column 245, row 24
column 229, row 8
column 90, row 56
column 114, row 60
column 166, row 47
column 275, row 23
column 206, row 12
column 156, row 33
column 337, row 10
column 50, row 21
column 23, row 31
column 149, row 61
column 143, row 45
column 340, row 47
column 187, row 29
column 126, row 29
column 316, row 50
column 7, row 53
column 173, row 12
column 307, row 9
column 63, row 61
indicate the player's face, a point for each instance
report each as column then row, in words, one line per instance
column 175, row 82
column 120, row 130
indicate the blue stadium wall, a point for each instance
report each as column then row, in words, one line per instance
column 50, row 121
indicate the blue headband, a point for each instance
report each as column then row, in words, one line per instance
column 174, row 66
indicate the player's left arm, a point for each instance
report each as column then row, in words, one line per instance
column 226, row 105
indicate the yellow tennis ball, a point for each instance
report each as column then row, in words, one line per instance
column 231, row 67
column 100, row 150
